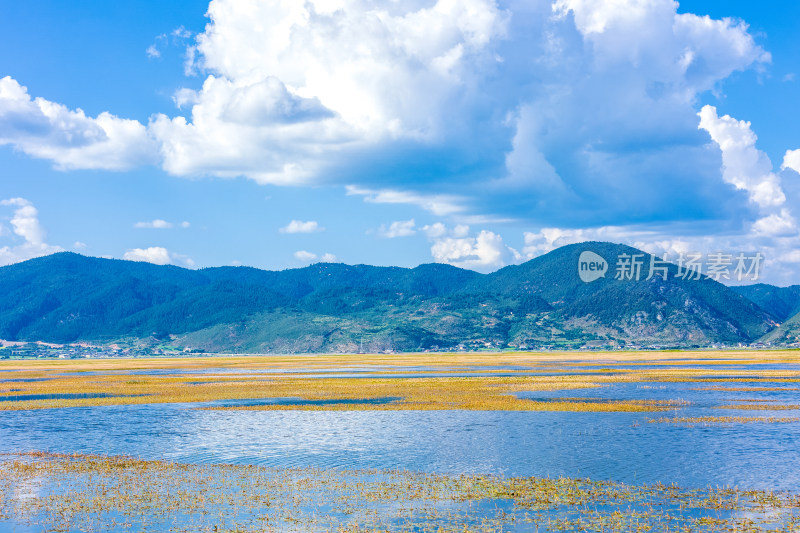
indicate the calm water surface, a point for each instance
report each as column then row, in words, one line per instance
column 604, row 446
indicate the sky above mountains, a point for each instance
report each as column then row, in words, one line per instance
column 471, row 132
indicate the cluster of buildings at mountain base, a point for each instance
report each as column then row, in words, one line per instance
column 41, row 350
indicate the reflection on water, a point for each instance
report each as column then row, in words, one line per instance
column 604, row 446
column 621, row 447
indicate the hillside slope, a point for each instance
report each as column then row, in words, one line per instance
column 333, row 307
column 692, row 311
column 781, row 302
column 787, row 334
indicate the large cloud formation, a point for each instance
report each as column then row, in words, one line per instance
column 574, row 114
column 572, row 100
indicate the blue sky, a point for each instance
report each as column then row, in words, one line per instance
column 471, row 132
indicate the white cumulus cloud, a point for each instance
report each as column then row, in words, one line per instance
column 25, row 226
column 305, row 256
column 484, row 252
column 49, row 130
column 25, row 220
column 158, row 256
column 524, row 108
column 776, row 224
column 299, row 226
column 547, row 111
column 435, row 230
column 792, row 160
column 745, row 167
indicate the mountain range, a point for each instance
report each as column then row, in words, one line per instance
column 543, row 303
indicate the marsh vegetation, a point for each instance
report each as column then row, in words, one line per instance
column 419, row 442
column 99, row 493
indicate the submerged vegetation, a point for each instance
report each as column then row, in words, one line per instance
column 723, row 420
column 97, row 493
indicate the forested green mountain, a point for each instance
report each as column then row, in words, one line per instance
column 781, row 302
column 334, row 307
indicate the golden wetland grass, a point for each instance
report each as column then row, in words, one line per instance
column 97, row 493
column 52, row 492
column 431, row 385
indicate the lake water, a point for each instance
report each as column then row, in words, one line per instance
column 618, row 447
column 621, row 447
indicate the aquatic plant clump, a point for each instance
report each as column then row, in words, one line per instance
column 723, row 420
column 480, row 382
column 96, row 493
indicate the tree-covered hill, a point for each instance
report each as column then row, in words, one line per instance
column 67, row 297
column 781, row 302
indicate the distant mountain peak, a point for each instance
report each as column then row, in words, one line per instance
column 543, row 303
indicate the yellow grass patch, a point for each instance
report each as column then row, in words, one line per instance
column 260, row 377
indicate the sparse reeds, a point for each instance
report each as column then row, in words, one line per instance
column 97, row 493
column 723, row 420
column 759, row 406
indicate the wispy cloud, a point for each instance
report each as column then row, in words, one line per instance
column 160, row 224
column 437, row 204
column 153, row 224
column 398, row 228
